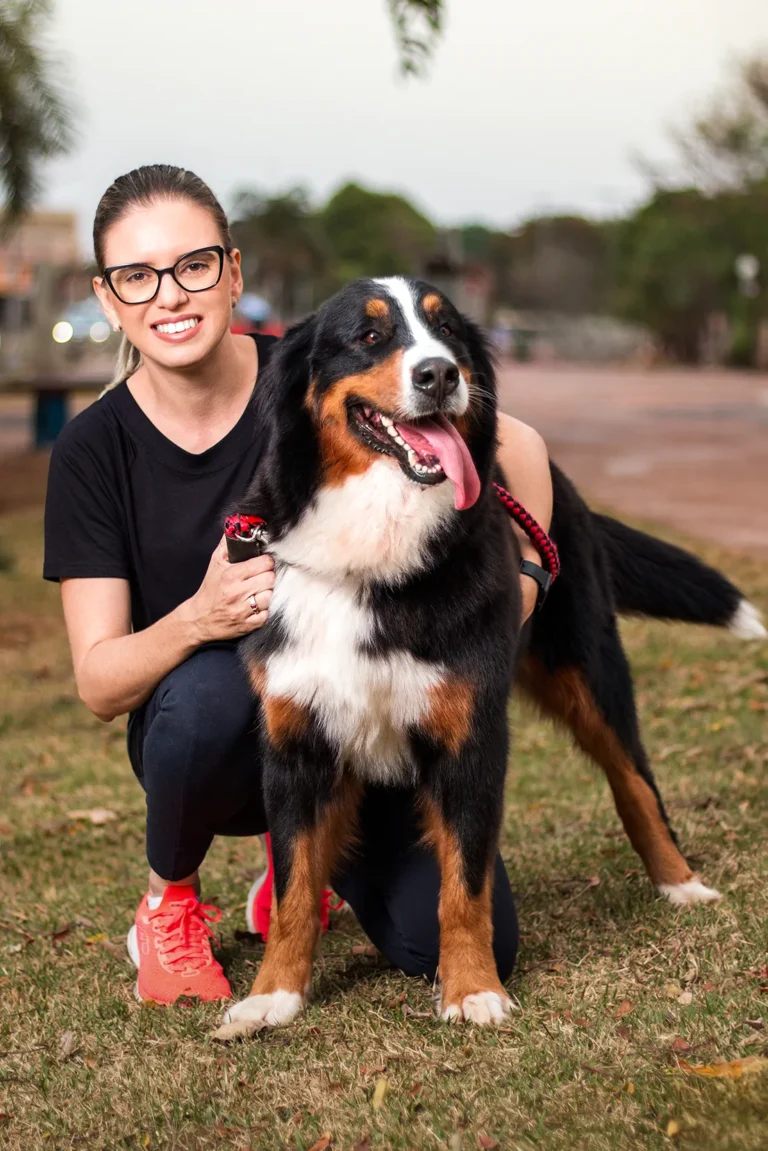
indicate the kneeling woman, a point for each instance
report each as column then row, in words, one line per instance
column 137, row 489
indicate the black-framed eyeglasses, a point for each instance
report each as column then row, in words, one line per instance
column 194, row 272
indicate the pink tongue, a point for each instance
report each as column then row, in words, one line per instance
column 441, row 437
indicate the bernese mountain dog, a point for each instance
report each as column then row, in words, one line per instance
column 394, row 639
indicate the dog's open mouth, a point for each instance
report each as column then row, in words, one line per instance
column 428, row 450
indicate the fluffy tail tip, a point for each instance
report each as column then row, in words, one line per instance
column 747, row 622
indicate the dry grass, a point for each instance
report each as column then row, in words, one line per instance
column 573, row 1069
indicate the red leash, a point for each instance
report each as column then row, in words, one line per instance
column 248, row 530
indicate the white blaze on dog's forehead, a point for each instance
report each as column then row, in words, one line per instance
column 425, row 345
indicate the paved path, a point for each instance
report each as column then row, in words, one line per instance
column 686, row 448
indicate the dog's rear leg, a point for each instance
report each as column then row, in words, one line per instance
column 601, row 716
column 462, row 824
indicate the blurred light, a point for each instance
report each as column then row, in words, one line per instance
column 100, row 331
column 62, row 332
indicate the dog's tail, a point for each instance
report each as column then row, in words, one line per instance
column 657, row 579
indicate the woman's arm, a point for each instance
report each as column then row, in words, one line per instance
column 117, row 669
column 524, row 460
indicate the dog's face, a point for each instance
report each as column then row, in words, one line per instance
column 386, row 381
column 392, row 376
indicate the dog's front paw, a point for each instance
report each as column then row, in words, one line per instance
column 486, row 1008
column 693, row 891
column 275, row 1010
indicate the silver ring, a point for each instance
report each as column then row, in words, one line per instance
column 252, row 602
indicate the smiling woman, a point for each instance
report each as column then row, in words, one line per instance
column 138, row 488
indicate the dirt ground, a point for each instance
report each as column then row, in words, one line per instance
column 685, row 448
column 689, row 449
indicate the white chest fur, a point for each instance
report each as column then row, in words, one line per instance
column 374, row 525
column 365, row 703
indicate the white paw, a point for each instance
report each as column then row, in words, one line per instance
column 275, row 1010
column 747, row 622
column 483, row 1008
column 690, row 892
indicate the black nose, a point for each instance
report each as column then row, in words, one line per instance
column 436, row 377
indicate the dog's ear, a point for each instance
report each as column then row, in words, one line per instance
column 287, row 472
column 481, row 437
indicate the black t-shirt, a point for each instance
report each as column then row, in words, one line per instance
column 124, row 501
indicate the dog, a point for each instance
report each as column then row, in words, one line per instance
column 393, row 639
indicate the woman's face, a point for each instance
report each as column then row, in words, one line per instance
column 157, row 235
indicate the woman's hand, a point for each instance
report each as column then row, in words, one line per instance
column 222, row 607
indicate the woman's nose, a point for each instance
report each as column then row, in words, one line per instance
column 170, row 294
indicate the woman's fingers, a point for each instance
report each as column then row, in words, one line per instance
column 249, row 568
column 261, row 600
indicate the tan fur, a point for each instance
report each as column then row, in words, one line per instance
column 467, row 965
column 431, row 303
column 565, row 695
column 342, row 453
column 449, row 718
column 377, row 309
column 285, row 719
column 294, row 922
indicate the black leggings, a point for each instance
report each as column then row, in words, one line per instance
column 193, row 748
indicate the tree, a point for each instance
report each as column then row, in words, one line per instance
column 284, row 251
column 375, row 234
column 726, row 147
column 34, row 115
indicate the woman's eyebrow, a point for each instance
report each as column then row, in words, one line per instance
column 154, row 263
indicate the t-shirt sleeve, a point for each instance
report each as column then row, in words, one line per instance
column 84, row 524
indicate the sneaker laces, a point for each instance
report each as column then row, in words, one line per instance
column 183, row 935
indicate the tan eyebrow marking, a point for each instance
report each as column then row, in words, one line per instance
column 431, row 303
column 377, row 309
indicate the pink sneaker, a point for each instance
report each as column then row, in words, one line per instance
column 258, row 907
column 171, row 946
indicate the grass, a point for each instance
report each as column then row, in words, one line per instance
column 590, row 1061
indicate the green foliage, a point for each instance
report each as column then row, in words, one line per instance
column 35, row 121
column 375, row 234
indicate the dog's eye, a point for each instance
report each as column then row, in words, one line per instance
column 370, row 338
column 446, row 330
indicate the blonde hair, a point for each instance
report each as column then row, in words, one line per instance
column 144, row 186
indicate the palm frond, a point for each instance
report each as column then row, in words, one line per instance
column 35, row 116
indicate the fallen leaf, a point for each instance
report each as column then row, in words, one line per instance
column 707, row 987
column 145, row 1141
column 5, row 1116
column 366, row 949
column 13, row 948
column 61, row 932
column 624, row 1008
column 323, row 1142
column 228, row 1032
column 378, row 1070
column 98, row 938
column 734, row 1069
column 487, row 1142
column 685, row 998
column 363, row 1145
column 416, row 1089
column 672, row 990
column 96, row 815
column 679, row 1044
column 113, row 948
column 67, row 1045
column 379, row 1092
column 624, row 1033
column 629, row 1087
column 673, row 1129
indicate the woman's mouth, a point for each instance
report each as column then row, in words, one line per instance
column 176, row 331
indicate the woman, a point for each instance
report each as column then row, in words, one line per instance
column 137, row 487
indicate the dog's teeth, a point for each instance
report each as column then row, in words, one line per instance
column 392, row 431
column 386, row 421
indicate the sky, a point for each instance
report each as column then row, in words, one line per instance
column 529, row 106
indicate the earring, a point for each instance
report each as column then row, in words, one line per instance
column 117, row 328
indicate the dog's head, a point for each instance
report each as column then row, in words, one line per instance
column 387, row 370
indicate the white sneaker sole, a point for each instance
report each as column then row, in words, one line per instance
column 132, row 943
column 251, row 903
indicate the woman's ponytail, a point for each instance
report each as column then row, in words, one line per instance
column 128, row 360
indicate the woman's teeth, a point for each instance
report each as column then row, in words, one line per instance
column 181, row 326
